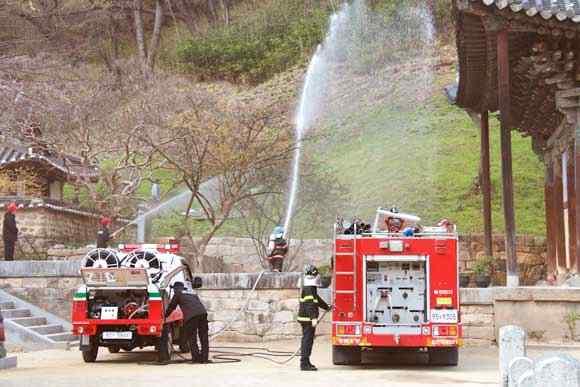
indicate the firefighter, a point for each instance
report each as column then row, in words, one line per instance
column 277, row 255
column 103, row 235
column 194, row 320
column 10, row 231
column 278, row 247
column 308, row 314
column 393, row 223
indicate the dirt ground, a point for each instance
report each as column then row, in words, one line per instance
column 478, row 367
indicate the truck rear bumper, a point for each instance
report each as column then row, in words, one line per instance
column 139, row 327
column 392, row 341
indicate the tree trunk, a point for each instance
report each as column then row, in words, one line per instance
column 155, row 37
column 139, row 31
column 212, row 11
column 226, row 7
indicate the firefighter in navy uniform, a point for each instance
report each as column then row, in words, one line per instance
column 308, row 314
column 195, row 321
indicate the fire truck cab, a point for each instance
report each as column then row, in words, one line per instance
column 122, row 303
column 396, row 291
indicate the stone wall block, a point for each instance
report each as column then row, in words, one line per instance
column 512, row 344
column 518, row 367
column 479, row 332
column 557, row 371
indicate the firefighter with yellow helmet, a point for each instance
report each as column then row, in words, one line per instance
column 308, row 313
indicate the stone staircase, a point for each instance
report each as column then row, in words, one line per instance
column 32, row 328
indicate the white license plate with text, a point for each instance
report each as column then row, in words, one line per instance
column 444, row 316
column 117, row 335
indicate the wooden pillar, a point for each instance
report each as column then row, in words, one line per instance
column 486, row 184
column 503, row 72
column 575, row 183
column 558, row 213
column 572, row 211
column 550, row 220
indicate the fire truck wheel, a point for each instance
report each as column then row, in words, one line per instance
column 346, row 355
column 114, row 349
column 166, row 344
column 90, row 354
column 443, row 356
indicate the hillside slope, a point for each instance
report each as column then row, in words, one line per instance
column 425, row 160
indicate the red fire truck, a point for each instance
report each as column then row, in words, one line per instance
column 396, row 290
column 122, row 302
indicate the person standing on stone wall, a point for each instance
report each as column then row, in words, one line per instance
column 10, row 231
column 103, row 235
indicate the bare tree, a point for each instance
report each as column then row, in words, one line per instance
column 233, row 150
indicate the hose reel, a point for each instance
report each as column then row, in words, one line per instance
column 144, row 259
column 101, row 259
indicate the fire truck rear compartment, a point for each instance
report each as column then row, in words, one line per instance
column 396, row 294
column 120, row 304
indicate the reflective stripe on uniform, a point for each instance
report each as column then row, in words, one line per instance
column 309, row 298
column 304, row 318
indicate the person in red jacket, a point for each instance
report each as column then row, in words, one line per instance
column 10, row 231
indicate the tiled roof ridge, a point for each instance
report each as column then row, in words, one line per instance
column 561, row 10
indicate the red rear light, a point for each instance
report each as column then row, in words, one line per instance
column 2, row 335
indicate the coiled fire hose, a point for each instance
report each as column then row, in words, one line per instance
column 232, row 354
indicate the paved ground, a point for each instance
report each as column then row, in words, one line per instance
column 478, row 367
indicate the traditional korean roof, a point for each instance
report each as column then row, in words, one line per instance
column 548, row 9
column 70, row 167
column 543, row 61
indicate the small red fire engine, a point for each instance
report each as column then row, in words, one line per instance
column 395, row 288
column 122, row 302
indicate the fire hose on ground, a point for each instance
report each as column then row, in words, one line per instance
column 230, row 354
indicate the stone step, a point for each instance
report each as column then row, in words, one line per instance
column 5, row 305
column 47, row 329
column 13, row 313
column 62, row 337
column 29, row 321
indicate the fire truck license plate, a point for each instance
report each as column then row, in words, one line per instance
column 117, row 335
column 444, row 316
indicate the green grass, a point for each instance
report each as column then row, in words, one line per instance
column 426, row 161
column 266, row 42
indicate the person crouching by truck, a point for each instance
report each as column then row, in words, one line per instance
column 10, row 231
column 308, row 314
column 195, row 321
column 104, row 235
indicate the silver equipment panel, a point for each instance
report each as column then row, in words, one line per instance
column 396, row 292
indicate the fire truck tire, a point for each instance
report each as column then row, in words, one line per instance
column 114, row 349
column 443, row 356
column 165, row 344
column 90, row 354
column 346, row 355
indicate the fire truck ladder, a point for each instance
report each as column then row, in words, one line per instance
column 346, row 270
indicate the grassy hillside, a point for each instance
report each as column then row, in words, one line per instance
column 425, row 160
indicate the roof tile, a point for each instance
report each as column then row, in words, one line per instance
column 560, row 9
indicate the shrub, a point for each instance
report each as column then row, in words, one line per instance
column 270, row 41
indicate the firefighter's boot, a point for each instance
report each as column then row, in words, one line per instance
column 307, row 366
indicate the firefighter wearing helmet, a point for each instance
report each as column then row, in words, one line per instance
column 9, row 231
column 394, row 224
column 103, row 235
column 308, row 313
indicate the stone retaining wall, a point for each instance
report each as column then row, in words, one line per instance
column 42, row 228
column 238, row 255
column 549, row 315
